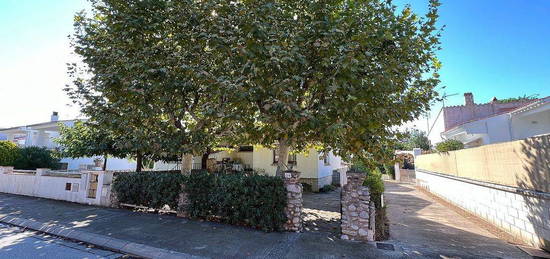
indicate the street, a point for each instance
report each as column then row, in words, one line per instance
column 16, row 242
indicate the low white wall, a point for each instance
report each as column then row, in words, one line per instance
column 524, row 214
column 51, row 185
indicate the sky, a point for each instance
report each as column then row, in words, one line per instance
column 492, row 48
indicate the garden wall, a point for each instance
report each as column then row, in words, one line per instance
column 506, row 184
column 44, row 183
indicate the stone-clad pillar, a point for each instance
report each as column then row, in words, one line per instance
column 294, row 205
column 358, row 212
column 183, row 203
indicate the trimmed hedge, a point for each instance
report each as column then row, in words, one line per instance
column 252, row 200
column 149, row 189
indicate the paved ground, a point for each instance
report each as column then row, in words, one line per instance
column 18, row 243
column 419, row 226
column 186, row 236
column 322, row 213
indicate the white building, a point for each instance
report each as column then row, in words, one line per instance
column 494, row 122
column 43, row 135
column 316, row 169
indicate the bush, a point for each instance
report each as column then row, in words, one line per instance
column 449, row 145
column 8, row 153
column 149, row 189
column 252, row 200
column 376, row 186
column 389, row 170
column 30, row 158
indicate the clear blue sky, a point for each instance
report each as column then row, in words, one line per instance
column 491, row 48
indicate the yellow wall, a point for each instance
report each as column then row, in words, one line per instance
column 306, row 164
column 523, row 163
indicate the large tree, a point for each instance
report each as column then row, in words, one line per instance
column 152, row 62
column 81, row 140
column 339, row 75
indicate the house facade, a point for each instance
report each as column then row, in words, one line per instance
column 494, row 122
column 316, row 168
column 43, row 135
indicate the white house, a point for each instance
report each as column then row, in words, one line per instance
column 494, row 122
column 43, row 135
column 316, row 168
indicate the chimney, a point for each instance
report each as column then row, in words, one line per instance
column 469, row 99
column 55, row 117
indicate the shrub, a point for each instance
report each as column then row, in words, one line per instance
column 449, row 145
column 8, row 153
column 389, row 170
column 253, row 200
column 30, row 158
column 376, row 186
column 149, row 189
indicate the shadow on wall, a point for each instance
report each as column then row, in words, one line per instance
column 536, row 162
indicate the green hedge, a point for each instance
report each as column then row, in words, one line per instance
column 149, row 189
column 31, row 158
column 252, row 200
column 449, row 145
column 8, row 153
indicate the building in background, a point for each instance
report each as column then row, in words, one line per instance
column 43, row 135
column 497, row 121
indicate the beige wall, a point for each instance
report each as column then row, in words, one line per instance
column 306, row 163
column 523, row 163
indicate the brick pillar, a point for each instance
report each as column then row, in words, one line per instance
column 358, row 212
column 183, row 203
column 294, row 205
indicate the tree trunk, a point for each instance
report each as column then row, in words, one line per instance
column 139, row 162
column 186, row 163
column 204, row 159
column 104, row 162
column 282, row 162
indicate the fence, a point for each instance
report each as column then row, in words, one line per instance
column 88, row 187
column 506, row 184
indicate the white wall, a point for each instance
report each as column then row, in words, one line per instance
column 307, row 163
column 112, row 163
column 524, row 126
column 43, row 185
column 526, row 217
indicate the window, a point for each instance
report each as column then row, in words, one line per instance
column 326, row 159
column 246, row 148
column 291, row 158
column 67, row 186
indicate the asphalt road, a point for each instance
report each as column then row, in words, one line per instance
column 19, row 243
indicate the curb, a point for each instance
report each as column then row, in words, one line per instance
column 117, row 245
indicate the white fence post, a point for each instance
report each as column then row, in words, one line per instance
column 397, row 172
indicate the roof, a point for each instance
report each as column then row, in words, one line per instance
column 527, row 107
column 52, row 123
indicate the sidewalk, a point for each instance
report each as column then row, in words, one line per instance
column 421, row 226
column 169, row 233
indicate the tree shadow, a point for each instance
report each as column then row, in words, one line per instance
column 424, row 228
column 322, row 213
column 535, row 184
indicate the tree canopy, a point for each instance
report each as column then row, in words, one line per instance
column 335, row 75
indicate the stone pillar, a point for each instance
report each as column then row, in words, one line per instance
column 358, row 212
column 294, row 205
column 183, row 203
